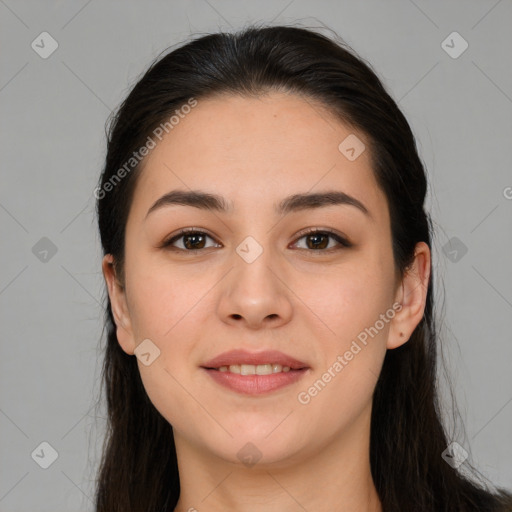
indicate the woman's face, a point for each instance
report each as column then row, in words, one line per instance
column 252, row 280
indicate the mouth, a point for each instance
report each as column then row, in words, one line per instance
column 252, row 369
column 250, row 373
column 254, row 363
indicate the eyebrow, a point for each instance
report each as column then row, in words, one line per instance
column 293, row 203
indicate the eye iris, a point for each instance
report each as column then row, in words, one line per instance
column 194, row 236
column 316, row 237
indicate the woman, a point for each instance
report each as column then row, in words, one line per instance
column 271, row 338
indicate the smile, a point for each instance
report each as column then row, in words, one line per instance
column 251, row 369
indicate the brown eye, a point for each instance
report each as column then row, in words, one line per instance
column 192, row 240
column 318, row 240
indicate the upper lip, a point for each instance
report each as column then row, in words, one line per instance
column 241, row 356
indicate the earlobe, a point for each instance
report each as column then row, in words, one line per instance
column 412, row 295
column 119, row 305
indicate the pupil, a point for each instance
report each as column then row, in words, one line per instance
column 193, row 244
column 316, row 237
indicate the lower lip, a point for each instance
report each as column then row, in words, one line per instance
column 256, row 384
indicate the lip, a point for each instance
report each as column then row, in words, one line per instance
column 255, row 384
column 245, row 357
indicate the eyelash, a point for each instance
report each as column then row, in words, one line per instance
column 343, row 242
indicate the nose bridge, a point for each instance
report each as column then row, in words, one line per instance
column 255, row 264
column 253, row 292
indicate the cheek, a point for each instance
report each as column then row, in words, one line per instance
column 342, row 386
column 354, row 311
column 161, row 298
column 345, row 302
column 164, row 308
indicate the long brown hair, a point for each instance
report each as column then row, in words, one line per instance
column 138, row 470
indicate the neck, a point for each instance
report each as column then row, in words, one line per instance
column 337, row 477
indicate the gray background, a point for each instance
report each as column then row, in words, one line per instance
column 53, row 113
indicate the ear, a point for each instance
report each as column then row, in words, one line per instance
column 119, row 305
column 412, row 295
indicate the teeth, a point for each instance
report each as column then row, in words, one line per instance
column 251, row 369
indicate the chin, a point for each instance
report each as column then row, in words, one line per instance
column 263, row 451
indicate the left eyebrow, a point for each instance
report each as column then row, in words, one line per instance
column 293, row 203
column 297, row 202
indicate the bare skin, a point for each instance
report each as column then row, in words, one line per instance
column 310, row 303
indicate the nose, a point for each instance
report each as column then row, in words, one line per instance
column 255, row 294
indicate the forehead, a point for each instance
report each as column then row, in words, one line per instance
column 258, row 150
